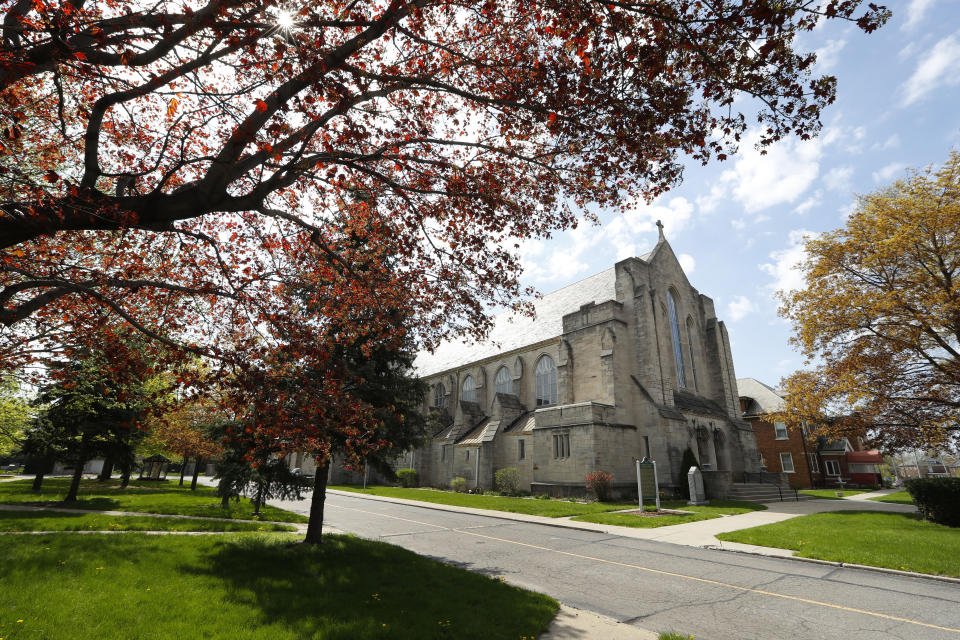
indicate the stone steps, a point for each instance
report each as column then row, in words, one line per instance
column 762, row 492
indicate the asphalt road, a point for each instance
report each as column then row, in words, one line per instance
column 714, row 595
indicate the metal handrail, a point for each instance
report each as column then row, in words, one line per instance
column 746, row 478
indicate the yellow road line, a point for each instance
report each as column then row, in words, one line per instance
column 666, row 573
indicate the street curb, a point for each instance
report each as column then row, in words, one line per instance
column 483, row 513
column 507, row 515
column 842, row 565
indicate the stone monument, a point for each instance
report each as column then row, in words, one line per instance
column 695, row 480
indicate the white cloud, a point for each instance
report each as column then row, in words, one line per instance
column 893, row 142
column 687, row 262
column 938, row 67
column 813, row 201
column 784, row 268
column 888, row 172
column 738, row 223
column 828, row 54
column 675, row 214
column 915, row 13
column 838, row 178
column 847, row 210
column 782, row 175
column 739, row 308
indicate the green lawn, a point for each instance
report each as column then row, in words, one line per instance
column 59, row 521
column 529, row 506
column 715, row 509
column 879, row 539
column 250, row 587
column 143, row 497
column 900, row 497
column 831, row 494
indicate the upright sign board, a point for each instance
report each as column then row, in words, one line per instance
column 647, row 485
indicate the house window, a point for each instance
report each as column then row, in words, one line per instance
column 675, row 333
column 561, row 445
column 469, row 390
column 861, row 467
column 546, row 382
column 468, row 454
column 786, row 462
column 833, row 467
column 521, row 450
column 781, row 430
column 439, row 396
column 503, row 381
column 814, row 464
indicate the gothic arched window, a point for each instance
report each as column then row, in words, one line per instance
column 675, row 334
column 690, row 343
column 546, row 381
column 468, row 391
column 439, row 396
column 504, row 381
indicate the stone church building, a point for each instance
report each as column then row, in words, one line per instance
column 627, row 363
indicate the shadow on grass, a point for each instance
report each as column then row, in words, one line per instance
column 354, row 588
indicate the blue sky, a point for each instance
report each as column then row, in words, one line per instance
column 736, row 225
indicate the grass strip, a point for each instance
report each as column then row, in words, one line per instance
column 60, row 521
column 874, row 538
column 250, row 586
column 530, row 506
column 831, row 494
column 715, row 509
column 142, row 497
column 900, row 497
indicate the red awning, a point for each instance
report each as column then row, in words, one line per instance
column 864, row 456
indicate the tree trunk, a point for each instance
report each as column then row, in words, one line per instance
column 225, row 501
column 258, row 500
column 315, row 526
column 106, row 471
column 196, row 474
column 38, row 481
column 78, row 471
column 183, row 469
column 126, row 468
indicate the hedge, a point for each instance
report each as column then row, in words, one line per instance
column 938, row 499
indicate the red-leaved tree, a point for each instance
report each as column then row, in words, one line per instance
column 179, row 165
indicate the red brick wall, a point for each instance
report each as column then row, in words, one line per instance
column 771, row 448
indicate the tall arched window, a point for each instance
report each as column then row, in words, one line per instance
column 693, row 360
column 468, row 391
column 439, row 396
column 546, row 381
column 675, row 333
column 504, row 381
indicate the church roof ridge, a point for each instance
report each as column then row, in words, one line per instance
column 514, row 331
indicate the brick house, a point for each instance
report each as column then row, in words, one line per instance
column 783, row 450
column 806, row 462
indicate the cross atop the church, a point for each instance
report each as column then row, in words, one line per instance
column 660, row 227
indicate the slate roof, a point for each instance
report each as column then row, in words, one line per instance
column 686, row 401
column 479, row 434
column 513, row 331
column 767, row 398
column 525, row 422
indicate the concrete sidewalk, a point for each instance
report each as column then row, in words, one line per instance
column 873, row 494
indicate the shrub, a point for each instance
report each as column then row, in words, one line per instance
column 459, row 485
column 938, row 499
column 407, row 477
column 601, row 484
column 507, row 480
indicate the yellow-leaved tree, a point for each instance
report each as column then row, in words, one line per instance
column 879, row 318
